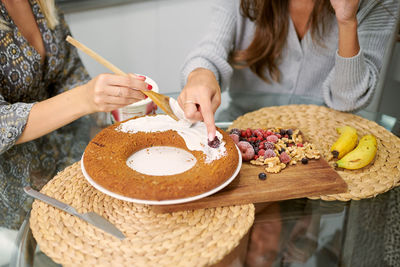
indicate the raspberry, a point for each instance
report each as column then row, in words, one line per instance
column 246, row 150
column 284, row 157
column 300, row 145
column 272, row 138
column 248, row 132
column 279, row 136
column 258, row 133
column 214, row 143
column 269, row 145
column 243, row 133
column 269, row 153
column 235, row 138
column 261, row 152
column 235, row 131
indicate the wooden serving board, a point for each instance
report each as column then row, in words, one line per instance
column 296, row 181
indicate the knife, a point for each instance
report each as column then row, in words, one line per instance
column 90, row 217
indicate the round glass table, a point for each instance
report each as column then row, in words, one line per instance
column 300, row 232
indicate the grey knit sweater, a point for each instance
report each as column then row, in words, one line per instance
column 307, row 69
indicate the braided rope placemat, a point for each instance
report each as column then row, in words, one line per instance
column 190, row 238
column 319, row 126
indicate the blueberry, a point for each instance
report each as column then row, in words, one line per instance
column 214, row 143
column 289, row 132
column 282, row 132
column 304, row 160
column 262, row 176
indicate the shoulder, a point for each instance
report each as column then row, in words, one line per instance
column 377, row 8
column 230, row 6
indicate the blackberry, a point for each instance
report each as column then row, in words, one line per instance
column 235, row 131
column 214, row 143
column 282, row 132
column 262, row 176
column 304, row 160
column 256, row 149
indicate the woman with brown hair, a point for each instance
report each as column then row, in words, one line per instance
column 328, row 49
column 43, row 87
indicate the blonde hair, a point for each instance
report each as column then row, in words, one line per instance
column 49, row 11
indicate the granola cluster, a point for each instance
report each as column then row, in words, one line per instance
column 274, row 148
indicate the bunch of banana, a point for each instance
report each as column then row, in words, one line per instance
column 345, row 143
column 361, row 156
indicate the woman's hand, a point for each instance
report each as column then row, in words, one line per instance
column 108, row 92
column 200, row 98
column 346, row 15
column 345, row 10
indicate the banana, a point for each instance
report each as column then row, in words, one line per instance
column 345, row 143
column 361, row 156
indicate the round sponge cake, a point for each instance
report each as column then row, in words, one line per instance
column 106, row 155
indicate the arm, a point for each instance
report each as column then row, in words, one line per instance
column 75, row 95
column 361, row 48
column 207, row 68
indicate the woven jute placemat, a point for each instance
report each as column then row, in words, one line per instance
column 190, row 238
column 319, row 125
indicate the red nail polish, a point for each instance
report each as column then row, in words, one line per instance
column 149, row 87
column 145, row 96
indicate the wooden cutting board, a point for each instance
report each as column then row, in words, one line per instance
column 296, row 181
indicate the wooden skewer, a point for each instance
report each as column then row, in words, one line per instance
column 95, row 56
column 160, row 100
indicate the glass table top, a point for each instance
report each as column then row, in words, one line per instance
column 300, row 232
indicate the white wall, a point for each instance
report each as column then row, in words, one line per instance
column 150, row 37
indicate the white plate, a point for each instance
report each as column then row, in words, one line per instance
column 162, row 202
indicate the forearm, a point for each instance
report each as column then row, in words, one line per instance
column 53, row 113
column 348, row 39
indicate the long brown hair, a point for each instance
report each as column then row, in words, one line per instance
column 271, row 19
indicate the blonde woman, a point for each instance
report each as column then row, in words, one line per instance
column 43, row 87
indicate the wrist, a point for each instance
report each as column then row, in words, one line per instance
column 347, row 24
column 80, row 103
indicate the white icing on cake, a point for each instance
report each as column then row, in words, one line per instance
column 195, row 136
column 144, row 160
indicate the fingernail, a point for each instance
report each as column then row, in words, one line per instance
column 142, row 77
column 149, row 87
column 210, row 137
column 145, row 96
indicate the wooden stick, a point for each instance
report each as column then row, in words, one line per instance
column 160, row 100
column 95, row 56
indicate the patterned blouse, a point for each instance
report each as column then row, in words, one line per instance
column 24, row 80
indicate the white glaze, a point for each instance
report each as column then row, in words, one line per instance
column 168, row 160
column 195, row 136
